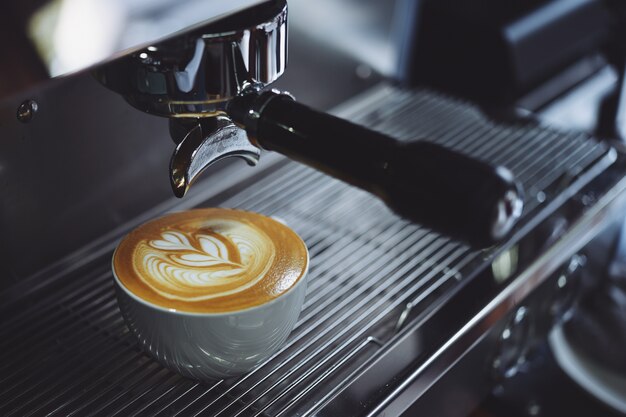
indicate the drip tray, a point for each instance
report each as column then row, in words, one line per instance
column 66, row 350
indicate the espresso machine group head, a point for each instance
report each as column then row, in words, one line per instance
column 211, row 84
column 190, row 78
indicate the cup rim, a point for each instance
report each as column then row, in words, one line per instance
column 209, row 314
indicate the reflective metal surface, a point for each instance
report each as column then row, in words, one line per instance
column 194, row 73
column 26, row 111
column 48, row 38
column 211, row 140
column 529, row 278
column 508, row 212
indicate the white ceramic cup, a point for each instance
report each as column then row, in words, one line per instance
column 208, row 346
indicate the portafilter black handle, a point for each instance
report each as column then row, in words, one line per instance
column 424, row 182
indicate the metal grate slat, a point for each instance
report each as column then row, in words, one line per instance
column 332, row 316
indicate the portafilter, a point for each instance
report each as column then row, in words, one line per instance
column 211, row 82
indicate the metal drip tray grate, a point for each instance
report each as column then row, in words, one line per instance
column 66, row 351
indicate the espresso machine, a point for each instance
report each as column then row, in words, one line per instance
column 461, row 222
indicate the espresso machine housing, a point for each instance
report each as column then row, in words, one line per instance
column 451, row 225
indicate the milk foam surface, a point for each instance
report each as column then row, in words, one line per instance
column 210, row 260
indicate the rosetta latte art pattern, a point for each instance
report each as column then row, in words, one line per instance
column 211, row 260
column 204, row 265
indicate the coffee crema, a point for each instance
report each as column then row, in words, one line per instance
column 210, row 260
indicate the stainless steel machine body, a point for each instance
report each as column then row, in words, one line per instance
column 398, row 319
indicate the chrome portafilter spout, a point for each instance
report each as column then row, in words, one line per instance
column 211, row 83
column 210, row 140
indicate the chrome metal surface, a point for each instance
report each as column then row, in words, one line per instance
column 386, row 299
column 211, row 140
column 208, row 140
column 194, row 73
column 26, row 111
column 509, row 211
column 246, row 109
column 527, row 280
column 193, row 76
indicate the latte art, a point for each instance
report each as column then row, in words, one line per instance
column 194, row 267
column 210, row 260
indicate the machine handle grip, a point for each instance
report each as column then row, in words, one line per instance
column 424, row 182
